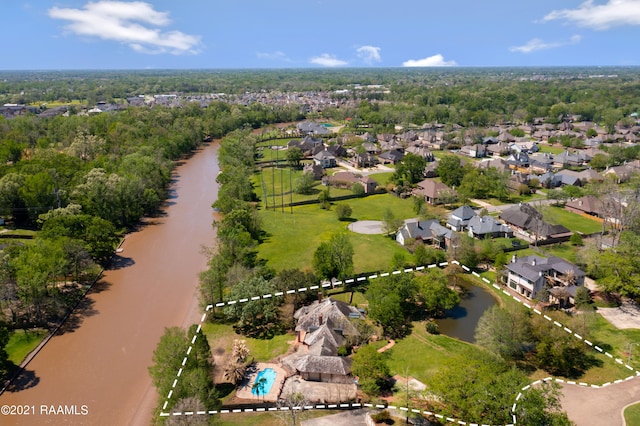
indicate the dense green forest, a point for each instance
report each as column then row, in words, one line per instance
column 84, row 180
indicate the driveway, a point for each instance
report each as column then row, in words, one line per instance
column 625, row 316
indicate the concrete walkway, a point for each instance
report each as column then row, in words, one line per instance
column 387, row 346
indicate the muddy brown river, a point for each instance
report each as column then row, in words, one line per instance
column 95, row 371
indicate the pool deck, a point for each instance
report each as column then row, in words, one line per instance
column 244, row 391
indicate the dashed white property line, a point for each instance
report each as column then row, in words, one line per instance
column 380, row 406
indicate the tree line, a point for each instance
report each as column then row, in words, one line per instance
column 80, row 182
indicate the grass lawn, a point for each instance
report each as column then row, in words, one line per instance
column 551, row 149
column 515, row 198
column 421, row 354
column 573, row 221
column 632, row 415
column 285, row 248
column 221, row 338
column 22, row 342
column 562, row 250
column 276, row 181
column 358, row 301
column 266, row 419
column 381, row 178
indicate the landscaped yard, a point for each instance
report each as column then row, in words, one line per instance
column 603, row 334
column 563, row 250
column 221, row 336
column 573, row 221
column 421, row 354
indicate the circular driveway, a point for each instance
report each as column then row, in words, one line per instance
column 367, row 227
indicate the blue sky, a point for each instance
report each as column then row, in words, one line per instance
column 188, row 34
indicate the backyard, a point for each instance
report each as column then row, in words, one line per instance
column 572, row 221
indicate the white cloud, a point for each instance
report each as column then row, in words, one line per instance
column 327, row 60
column 537, row 44
column 369, row 54
column 274, row 56
column 431, row 61
column 600, row 16
column 135, row 24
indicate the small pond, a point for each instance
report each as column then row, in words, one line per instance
column 461, row 321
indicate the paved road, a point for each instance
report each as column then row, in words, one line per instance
column 599, row 406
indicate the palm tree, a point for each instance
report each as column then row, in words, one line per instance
column 234, row 372
column 240, row 351
column 258, row 386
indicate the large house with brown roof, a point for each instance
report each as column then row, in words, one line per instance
column 432, row 191
column 322, row 327
column 588, row 204
column 529, row 223
column 348, row 179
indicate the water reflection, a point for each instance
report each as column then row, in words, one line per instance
column 461, row 321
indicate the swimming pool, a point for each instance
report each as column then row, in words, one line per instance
column 266, row 377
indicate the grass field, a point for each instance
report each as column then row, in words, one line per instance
column 278, row 181
column 22, row 342
column 421, row 354
column 293, row 238
column 632, row 415
column 573, row 221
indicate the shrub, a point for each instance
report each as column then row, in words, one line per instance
column 381, row 417
column 576, row 239
column 524, row 189
column 432, row 327
column 343, row 211
column 583, row 299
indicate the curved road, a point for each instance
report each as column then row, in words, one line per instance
column 100, row 358
column 588, row 406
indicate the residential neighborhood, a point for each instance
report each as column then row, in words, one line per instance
column 363, row 254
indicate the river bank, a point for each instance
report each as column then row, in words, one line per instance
column 98, row 360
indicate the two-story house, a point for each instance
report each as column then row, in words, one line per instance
column 530, row 274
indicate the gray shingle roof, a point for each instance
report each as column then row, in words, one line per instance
column 487, row 225
column 425, row 229
column 533, row 266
